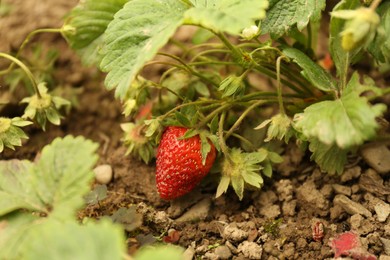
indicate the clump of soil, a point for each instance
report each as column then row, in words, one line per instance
column 296, row 215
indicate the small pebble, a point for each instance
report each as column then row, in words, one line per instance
column 377, row 156
column 250, row 250
column 382, row 211
column 350, row 206
column 234, row 234
column 350, row 174
column 340, row 189
column 223, row 252
column 103, row 173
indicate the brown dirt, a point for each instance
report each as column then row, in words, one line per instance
column 273, row 223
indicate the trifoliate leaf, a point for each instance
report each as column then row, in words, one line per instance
column 97, row 194
column 330, row 158
column 90, row 19
column 340, row 57
column 313, row 72
column 53, row 239
column 345, row 122
column 230, row 16
column 282, row 15
column 380, row 47
column 135, row 35
column 55, row 184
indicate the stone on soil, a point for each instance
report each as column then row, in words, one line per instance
column 382, row 211
column 197, row 212
column 250, row 250
column 341, row 189
column 223, row 252
column 103, row 173
column 350, row 206
column 234, row 234
column 377, row 156
column 350, row 174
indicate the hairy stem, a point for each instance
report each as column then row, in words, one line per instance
column 278, row 86
column 242, row 117
column 25, row 69
column 26, row 41
column 221, row 139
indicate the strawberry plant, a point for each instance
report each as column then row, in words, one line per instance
column 210, row 87
column 250, row 80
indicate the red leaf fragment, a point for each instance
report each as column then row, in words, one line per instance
column 348, row 244
column 172, row 237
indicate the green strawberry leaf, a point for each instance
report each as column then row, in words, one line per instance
column 134, row 37
column 169, row 252
column 13, row 229
column 102, row 240
column 16, row 190
column 313, row 72
column 330, row 158
column 90, row 19
column 345, row 122
column 282, row 15
column 380, row 47
column 230, row 16
column 340, row 57
column 55, row 184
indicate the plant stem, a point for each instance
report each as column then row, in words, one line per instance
column 244, row 140
column 221, row 139
column 200, row 102
column 278, row 86
column 190, row 70
column 25, row 69
column 210, row 116
column 309, row 36
column 202, row 53
column 345, row 73
column 375, row 4
column 26, row 41
column 241, row 118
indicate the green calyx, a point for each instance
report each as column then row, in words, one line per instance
column 11, row 134
column 5, row 124
column 240, row 168
column 360, row 27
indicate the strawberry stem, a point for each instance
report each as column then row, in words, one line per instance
column 242, row 117
column 25, row 69
column 221, row 139
column 26, row 41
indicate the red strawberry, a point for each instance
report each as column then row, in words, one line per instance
column 179, row 165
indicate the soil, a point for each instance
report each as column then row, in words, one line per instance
column 280, row 221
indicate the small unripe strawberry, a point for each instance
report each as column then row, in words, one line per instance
column 179, row 166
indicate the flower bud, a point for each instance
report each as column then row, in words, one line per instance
column 250, row 32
